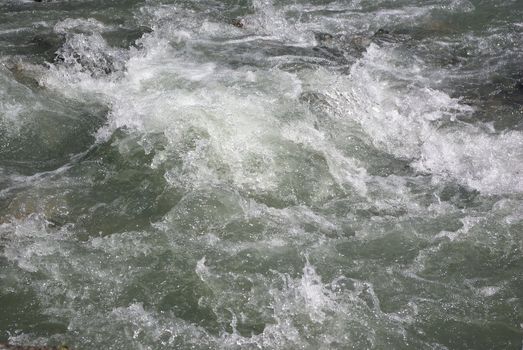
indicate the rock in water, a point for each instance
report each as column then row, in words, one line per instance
column 381, row 31
column 323, row 37
column 237, row 23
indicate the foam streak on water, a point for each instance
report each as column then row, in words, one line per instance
column 261, row 174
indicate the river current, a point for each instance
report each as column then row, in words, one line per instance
column 261, row 174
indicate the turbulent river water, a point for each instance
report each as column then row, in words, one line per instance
column 257, row 174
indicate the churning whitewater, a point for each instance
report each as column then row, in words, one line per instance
column 261, row 174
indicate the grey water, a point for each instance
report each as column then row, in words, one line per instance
column 261, row 174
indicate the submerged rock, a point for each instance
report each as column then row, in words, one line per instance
column 381, row 31
column 323, row 37
column 126, row 37
column 46, row 44
column 353, row 43
column 238, row 22
column 341, row 47
column 24, row 74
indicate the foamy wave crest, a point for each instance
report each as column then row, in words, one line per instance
column 423, row 125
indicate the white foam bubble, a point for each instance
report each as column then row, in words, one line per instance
column 70, row 25
column 491, row 164
column 489, row 291
column 408, row 123
column 314, row 294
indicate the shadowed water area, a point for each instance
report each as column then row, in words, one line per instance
column 261, row 174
